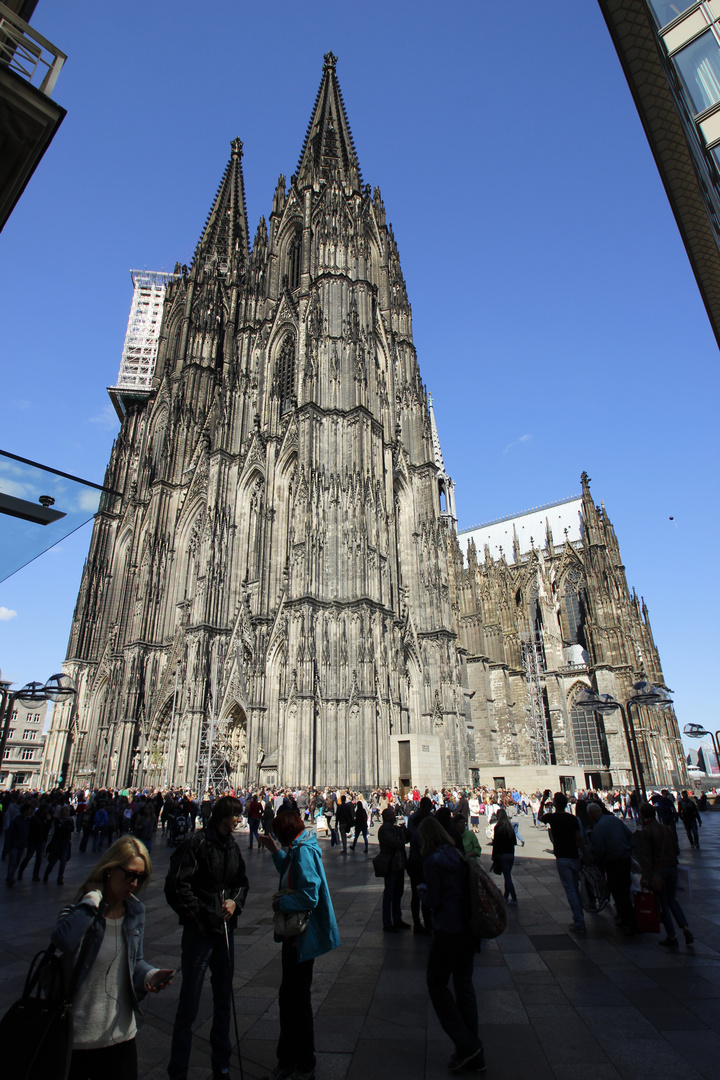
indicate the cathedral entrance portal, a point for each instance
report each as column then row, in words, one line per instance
column 229, row 759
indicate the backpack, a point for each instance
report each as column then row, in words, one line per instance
column 488, row 914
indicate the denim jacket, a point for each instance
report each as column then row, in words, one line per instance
column 302, row 864
column 67, row 937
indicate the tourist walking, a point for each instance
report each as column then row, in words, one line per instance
column 690, row 817
column 656, row 850
column 254, row 816
column 106, row 924
column 392, row 839
column 60, row 847
column 415, row 868
column 612, row 844
column 344, row 819
column 303, row 887
column 16, row 842
column 361, row 823
column 100, row 824
column 206, row 885
column 567, row 848
column 40, row 825
column 503, row 853
column 453, row 945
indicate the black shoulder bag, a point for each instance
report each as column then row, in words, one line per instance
column 36, row 1032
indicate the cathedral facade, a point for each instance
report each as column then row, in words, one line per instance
column 539, row 623
column 276, row 592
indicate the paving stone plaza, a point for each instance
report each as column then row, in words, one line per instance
column 552, row 1005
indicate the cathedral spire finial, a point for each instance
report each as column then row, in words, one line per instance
column 224, row 240
column 437, row 450
column 328, row 151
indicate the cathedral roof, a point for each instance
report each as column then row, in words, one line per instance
column 563, row 519
column 328, row 149
column 226, row 233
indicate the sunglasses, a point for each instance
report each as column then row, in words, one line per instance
column 132, row 875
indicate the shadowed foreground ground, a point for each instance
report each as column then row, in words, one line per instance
column 551, row 1005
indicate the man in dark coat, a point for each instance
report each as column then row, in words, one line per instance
column 345, row 818
column 17, row 841
column 206, row 885
column 38, row 833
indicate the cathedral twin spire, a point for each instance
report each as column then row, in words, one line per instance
column 328, row 152
column 225, row 237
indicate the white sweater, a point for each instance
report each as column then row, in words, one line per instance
column 102, row 1006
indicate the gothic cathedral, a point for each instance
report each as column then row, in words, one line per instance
column 276, row 592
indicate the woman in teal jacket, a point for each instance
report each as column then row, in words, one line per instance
column 302, row 873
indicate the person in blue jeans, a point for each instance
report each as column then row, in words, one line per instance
column 503, row 852
column 100, row 824
column 567, row 847
column 206, row 885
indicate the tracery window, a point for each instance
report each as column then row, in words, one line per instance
column 295, row 261
column 589, row 737
column 285, row 373
column 575, row 605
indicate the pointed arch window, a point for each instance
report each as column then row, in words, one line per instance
column 574, row 610
column 588, row 729
column 295, row 261
column 285, row 374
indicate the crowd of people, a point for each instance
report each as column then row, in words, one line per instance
column 426, row 839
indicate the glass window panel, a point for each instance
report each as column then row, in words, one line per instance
column 665, row 12
column 699, row 68
column 23, row 533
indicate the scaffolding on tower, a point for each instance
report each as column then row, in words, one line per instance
column 532, row 652
column 213, row 764
column 139, row 356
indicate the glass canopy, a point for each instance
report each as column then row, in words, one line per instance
column 39, row 507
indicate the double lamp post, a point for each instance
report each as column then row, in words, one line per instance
column 58, row 688
column 645, row 694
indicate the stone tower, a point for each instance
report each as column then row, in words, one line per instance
column 280, row 545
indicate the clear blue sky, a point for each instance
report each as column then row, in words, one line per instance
column 557, row 322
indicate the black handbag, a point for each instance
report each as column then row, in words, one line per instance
column 36, row 1033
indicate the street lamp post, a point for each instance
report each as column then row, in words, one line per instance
column 57, row 688
column 697, row 731
column 653, row 697
column 604, row 703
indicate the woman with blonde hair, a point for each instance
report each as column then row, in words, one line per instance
column 101, row 935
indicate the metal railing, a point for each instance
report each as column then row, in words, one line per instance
column 27, row 53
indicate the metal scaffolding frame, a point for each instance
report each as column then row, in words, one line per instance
column 213, row 764
column 137, row 365
column 532, row 652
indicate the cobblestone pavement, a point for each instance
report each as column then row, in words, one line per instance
column 552, row 1005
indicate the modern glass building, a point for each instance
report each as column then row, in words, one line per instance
column 670, row 53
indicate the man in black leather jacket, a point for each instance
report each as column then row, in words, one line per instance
column 206, row 885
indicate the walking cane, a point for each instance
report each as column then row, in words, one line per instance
column 232, row 993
